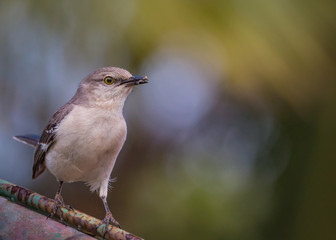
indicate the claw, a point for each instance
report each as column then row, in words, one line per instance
column 69, row 207
column 59, row 203
column 107, row 220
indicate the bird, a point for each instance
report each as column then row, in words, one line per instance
column 83, row 138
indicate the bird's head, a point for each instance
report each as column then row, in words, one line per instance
column 107, row 86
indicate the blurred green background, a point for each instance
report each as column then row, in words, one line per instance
column 233, row 138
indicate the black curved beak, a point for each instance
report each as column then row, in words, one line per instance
column 135, row 80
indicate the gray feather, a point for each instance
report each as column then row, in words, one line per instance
column 47, row 138
column 29, row 139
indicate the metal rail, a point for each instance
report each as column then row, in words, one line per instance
column 75, row 219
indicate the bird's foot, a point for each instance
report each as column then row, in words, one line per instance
column 107, row 220
column 59, row 203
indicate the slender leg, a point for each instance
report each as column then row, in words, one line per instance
column 58, row 197
column 59, row 203
column 108, row 217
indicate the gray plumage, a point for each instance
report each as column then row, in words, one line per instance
column 84, row 137
column 47, row 138
column 29, row 139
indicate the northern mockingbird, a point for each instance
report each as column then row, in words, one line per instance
column 84, row 137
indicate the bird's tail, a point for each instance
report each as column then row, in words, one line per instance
column 29, row 139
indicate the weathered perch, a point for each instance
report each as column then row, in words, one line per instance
column 22, row 223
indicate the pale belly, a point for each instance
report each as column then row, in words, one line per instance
column 87, row 145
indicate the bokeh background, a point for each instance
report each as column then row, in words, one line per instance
column 233, row 138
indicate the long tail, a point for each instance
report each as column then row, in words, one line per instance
column 29, row 139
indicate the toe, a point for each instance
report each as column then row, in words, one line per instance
column 70, row 208
column 115, row 223
column 107, row 220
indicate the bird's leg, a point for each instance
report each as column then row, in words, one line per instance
column 108, row 217
column 59, row 203
column 59, row 198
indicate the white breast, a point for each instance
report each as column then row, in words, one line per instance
column 88, row 142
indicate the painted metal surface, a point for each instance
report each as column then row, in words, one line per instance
column 44, row 205
column 18, row 222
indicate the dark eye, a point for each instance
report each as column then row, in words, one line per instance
column 108, row 80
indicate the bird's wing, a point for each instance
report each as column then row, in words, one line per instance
column 47, row 139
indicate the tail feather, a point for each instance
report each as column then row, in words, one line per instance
column 29, row 139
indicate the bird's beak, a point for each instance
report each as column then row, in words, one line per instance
column 135, row 80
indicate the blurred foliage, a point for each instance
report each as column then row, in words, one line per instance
column 258, row 163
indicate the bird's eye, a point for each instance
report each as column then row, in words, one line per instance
column 108, row 80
